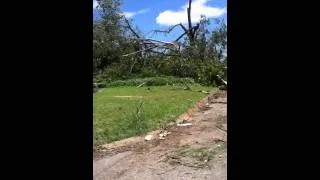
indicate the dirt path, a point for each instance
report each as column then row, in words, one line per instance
column 197, row 151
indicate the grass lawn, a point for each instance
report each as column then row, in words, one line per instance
column 116, row 115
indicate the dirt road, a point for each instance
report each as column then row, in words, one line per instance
column 197, row 151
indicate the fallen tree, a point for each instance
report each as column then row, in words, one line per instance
column 148, row 45
column 121, row 51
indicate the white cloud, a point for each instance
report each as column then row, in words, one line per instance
column 198, row 8
column 95, row 3
column 127, row 14
column 131, row 14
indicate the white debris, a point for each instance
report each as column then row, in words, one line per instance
column 185, row 124
column 148, row 137
column 206, row 92
column 164, row 134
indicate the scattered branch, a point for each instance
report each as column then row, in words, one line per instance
column 224, row 82
column 141, row 85
column 163, row 53
column 125, row 55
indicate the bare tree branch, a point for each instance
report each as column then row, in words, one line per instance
column 184, row 28
column 129, row 26
column 170, row 29
column 163, row 42
column 125, row 55
column 180, row 37
column 167, row 31
column 163, row 53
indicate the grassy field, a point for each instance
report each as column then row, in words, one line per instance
column 123, row 112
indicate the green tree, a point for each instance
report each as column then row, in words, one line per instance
column 106, row 34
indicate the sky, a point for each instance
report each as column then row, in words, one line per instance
column 160, row 14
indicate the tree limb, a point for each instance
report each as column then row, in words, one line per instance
column 184, row 28
column 125, row 55
column 163, row 53
column 167, row 31
column 180, row 37
column 129, row 26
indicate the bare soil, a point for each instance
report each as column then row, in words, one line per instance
column 198, row 151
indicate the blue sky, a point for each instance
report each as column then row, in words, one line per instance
column 160, row 14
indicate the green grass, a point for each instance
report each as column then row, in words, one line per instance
column 117, row 118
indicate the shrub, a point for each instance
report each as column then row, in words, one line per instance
column 151, row 81
column 223, row 87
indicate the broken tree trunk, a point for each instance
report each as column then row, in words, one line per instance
column 190, row 33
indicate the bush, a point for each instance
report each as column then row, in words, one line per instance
column 223, row 87
column 207, row 74
column 147, row 73
column 99, row 85
column 202, row 71
column 151, row 81
column 102, row 85
column 114, row 72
